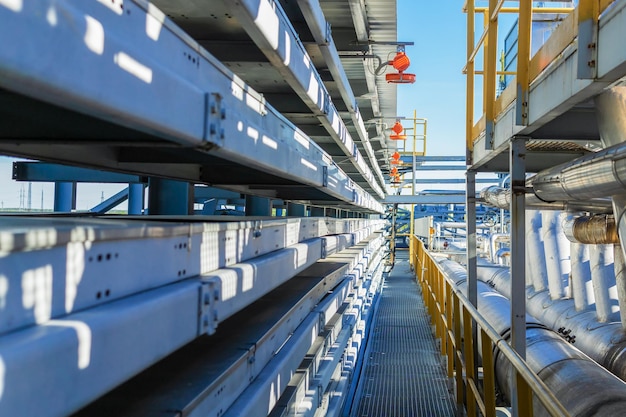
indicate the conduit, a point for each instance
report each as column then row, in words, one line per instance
column 582, row 386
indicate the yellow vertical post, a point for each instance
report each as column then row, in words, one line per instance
column 524, row 397
column 523, row 61
column 491, row 66
column 411, row 239
column 469, row 94
column 458, row 340
column 486, row 21
column 489, row 385
column 450, row 321
column 469, row 361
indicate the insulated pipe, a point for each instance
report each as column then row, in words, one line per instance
column 620, row 281
column 320, row 29
column 549, row 220
column 501, row 198
column 580, row 276
column 605, row 343
column 600, row 229
column 602, row 277
column 596, row 175
column 537, row 271
column 581, row 385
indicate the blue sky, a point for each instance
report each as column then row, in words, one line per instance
column 438, row 30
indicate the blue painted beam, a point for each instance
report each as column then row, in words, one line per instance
column 47, row 172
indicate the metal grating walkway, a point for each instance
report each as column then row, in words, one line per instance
column 402, row 375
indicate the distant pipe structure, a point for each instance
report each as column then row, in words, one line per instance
column 583, row 387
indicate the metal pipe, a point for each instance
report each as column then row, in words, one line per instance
column 549, row 235
column 602, row 277
column 605, row 343
column 581, row 385
column 501, row 198
column 494, row 238
column 596, row 175
column 600, row 229
column 538, row 273
column 620, row 281
column 580, row 276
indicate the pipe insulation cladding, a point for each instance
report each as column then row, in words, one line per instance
column 583, row 387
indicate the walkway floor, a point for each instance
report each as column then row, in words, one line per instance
column 402, row 375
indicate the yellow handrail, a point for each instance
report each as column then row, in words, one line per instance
column 528, row 69
column 454, row 318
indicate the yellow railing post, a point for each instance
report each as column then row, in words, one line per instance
column 491, row 59
column 468, row 348
column 524, row 397
column 458, row 343
column 489, row 383
column 523, row 61
column 469, row 116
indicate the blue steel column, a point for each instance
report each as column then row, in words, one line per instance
column 64, row 196
column 318, row 211
column 135, row 198
column 258, row 206
column 297, row 210
column 169, row 197
column 517, row 166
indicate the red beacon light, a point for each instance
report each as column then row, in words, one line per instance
column 397, row 129
column 400, row 62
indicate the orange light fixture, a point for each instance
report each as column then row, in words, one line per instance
column 400, row 62
column 394, row 171
column 396, row 154
column 397, row 129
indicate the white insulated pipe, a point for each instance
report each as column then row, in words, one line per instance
column 549, row 235
column 602, row 277
column 537, row 275
column 580, row 283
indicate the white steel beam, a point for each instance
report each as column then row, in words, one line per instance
column 320, row 28
column 121, row 64
column 273, row 33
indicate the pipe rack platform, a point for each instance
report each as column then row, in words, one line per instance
column 402, row 375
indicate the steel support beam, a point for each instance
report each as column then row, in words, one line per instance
column 48, row 172
column 296, row 210
column 169, row 197
column 258, row 206
column 264, row 22
column 517, row 166
column 318, row 211
column 64, row 196
column 135, row 198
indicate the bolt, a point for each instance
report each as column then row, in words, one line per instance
column 207, row 299
column 591, row 45
column 212, row 128
column 223, row 114
column 592, row 63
